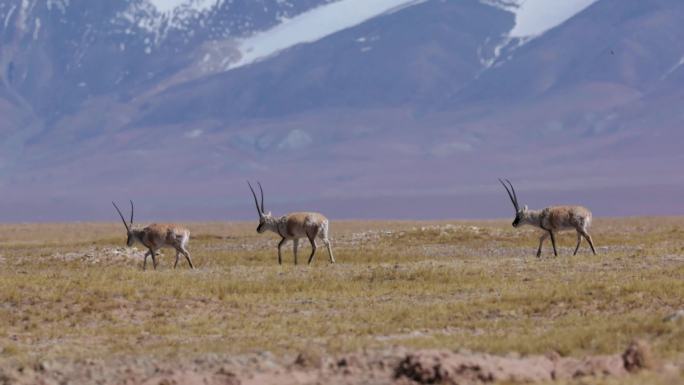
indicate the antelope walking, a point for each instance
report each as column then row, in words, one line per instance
column 553, row 219
column 157, row 236
column 294, row 226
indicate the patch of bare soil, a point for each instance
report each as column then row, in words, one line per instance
column 442, row 367
column 102, row 255
column 392, row 367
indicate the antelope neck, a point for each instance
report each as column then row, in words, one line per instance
column 278, row 228
column 541, row 220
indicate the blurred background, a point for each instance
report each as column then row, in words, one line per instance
column 355, row 108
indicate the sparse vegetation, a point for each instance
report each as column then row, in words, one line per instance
column 68, row 292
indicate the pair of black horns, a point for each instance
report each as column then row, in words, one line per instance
column 261, row 210
column 122, row 217
column 513, row 196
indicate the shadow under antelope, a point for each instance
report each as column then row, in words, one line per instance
column 157, row 236
column 552, row 220
column 294, row 226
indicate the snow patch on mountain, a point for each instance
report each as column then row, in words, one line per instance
column 168, row 6
column 8, row 15
column 674, row 68
column 159, row 17
column 534, row 17
column 24, row 10
column 36, row 29
column 314, row 25
column 61, row 5
column 502, row 51
column 194, row 134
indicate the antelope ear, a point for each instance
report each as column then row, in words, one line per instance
column 524, row 208
column 269, row 214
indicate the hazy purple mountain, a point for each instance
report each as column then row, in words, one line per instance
column 413, row 113
column 410, row 58
column 57, row 54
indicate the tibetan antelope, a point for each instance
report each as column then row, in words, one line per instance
column 157, row 236
column 294, row 226
column 553, row 219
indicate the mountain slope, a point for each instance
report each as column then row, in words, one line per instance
column 583, row 78
column 351, row 70
column 413, row 111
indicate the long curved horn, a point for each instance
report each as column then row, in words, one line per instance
column 513, row 200
column 515, row 196
column 263, row 210
column 122, row 217
column 256, row 201
column 132, row 209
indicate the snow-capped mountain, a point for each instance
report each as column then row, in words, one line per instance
column 96, row 47
column 60, row 58
column 127, row 98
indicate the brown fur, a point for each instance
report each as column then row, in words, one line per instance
column 293, row 226
column 160, row 235
column 565, row 217
column 558, row 218
column 306, row 222
column 156, row 236
column 299, row 225
column 551, row 220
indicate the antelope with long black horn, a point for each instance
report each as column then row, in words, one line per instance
column 157, row 236
column 552, row 220
column 294, row 226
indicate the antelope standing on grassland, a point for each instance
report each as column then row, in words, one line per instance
column 553, row 219
column 157, row 236
column 294, row 226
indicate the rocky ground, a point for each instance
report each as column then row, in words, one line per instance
column 394, row 366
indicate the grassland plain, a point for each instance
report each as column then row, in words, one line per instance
column 72, row 293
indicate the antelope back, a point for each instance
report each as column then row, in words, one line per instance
column 564, row 217
column 303, row 223
column 164, row 234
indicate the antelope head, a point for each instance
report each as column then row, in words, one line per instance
column 520, row 213
column 129, row 226
column 266, row 221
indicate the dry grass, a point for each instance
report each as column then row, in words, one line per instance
column 456, row 285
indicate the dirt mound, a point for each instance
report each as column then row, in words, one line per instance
column 192, row 378
column 391, row 367
column 444, row 367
